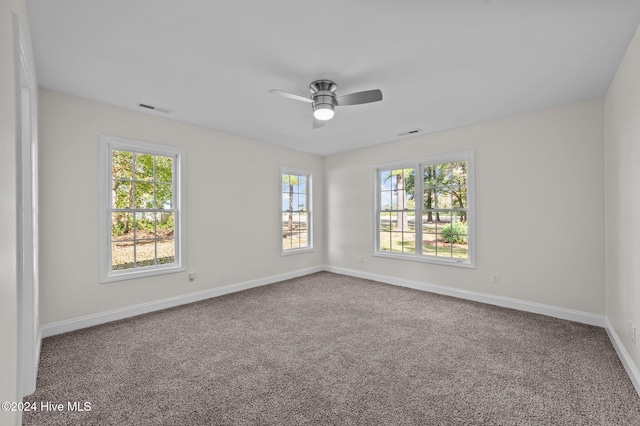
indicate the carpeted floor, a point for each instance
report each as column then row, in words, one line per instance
column 331, row 349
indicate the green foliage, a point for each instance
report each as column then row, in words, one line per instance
column 454, row 233
column 123, row 224
column 142, row 181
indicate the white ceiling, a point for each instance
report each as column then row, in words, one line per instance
column 440, row 64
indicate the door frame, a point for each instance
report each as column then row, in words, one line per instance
column 27, row 214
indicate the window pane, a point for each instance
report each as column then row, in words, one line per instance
column 442, row 220
column 428, row 227
column 122, row 194
column 385, row 241
column 443, row 173
column 385, row 180
column 122, row 164
column 429, row 244
column 286, row 241
column 429, row 233
column 145, row 252
column 145, row 239
column 443, row 198
column 165, row 223
column 122, row 255
column 443, row 249
column 459, row 197
column 287, row 231
column 385, row 231
column 164, row 169
column 144, row 195
column 164, row 196
column 385, row 200
column 302, row 202
column 303, row 217
column 385, row 221
column 143, row 167
column 459, row 216
column 144, row 226
column 165, row 248
column 408, row 242
column 461, row 251
column 121, row 226
column 396, row 242
column 394, row 200
column 303, row 235
column 429, row 198
column 429, row 176
column 402, row 199
column 428, row 217
column 393, row 179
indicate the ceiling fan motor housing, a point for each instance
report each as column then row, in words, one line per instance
column 323, row 93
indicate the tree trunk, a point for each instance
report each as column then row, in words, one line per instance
column 402, row 223
column 290, row 224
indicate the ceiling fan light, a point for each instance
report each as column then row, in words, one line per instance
column 323, row 112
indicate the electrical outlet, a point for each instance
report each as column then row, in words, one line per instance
column 192, row 276
column 632, row 333
column 495, row 278
column 277, row 262
column 361, row 259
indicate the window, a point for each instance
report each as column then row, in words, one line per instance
column 296, row 211
column 424, row 210
column 142, row 215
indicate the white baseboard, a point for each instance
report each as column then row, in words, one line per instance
column 624, row 356
column 144, row 308
column 521, row 305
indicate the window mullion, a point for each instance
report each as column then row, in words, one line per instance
column 419, row 196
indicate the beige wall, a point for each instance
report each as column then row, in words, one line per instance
column 233, row 202
column 539, row 207
column 622, row 198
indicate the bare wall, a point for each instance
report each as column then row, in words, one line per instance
column 622, row 199
column 233, row 201
column 539, row 207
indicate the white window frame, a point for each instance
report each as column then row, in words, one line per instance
column 417, row 165
column 107, row 145
column 309, row 210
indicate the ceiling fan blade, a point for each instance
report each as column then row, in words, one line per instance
column 360, row 97
column 291, row 96
column 318, row 123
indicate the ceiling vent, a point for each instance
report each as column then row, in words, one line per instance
column 155, row 108
column 410, row 132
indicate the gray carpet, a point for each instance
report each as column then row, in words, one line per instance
column 331, row 349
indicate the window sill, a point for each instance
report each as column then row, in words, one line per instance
column 123, row 276
column 425, row 259
column 296, row 251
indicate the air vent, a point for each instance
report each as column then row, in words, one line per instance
column 410, row 132
column 155, row 108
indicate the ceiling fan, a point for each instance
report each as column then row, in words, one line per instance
column 323, row 99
